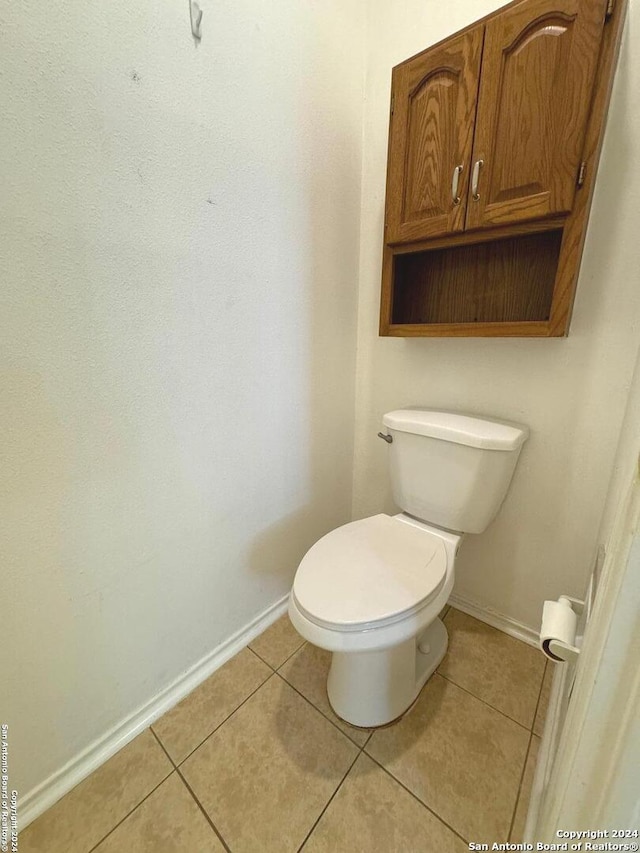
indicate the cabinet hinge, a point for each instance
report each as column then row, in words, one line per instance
column 582, row 171
column 393, row 103
column 610, row 6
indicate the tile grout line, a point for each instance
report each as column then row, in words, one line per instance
column 437, row 672
column 231, row 713
column 535, row 713
column 204, row 812
column 162, row 747
column 484, row 702
column 331, row 798
column 515, row 805
column 276, row 668
column 237, row 708
column 308, row 701
column 190, row 790
column 214, row 730
column 450, row 607
column 128, row 814
column 415, row 796
column 260, row 658
column 328, row 719
column 526, row 759
column 176, row 767
column 361, row 749
column 365, row 744
column 303, row 643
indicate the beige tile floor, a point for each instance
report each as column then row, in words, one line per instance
column 255, row 761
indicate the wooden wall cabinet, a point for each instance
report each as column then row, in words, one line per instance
column 493, row 146
column 431, row 138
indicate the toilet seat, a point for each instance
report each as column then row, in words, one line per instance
column 370, row 573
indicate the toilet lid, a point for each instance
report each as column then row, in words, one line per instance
column 372, row 570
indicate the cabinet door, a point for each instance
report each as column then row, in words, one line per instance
column 538, row 71
column 434, row 98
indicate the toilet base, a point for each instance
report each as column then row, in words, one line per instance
column 370, row 689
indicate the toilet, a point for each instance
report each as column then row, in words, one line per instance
column 370, row 591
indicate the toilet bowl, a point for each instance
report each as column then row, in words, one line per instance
column 370, row 591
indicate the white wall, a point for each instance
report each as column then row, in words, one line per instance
column 179, row 232
column 571, row 392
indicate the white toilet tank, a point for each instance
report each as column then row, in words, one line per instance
column 450, row 469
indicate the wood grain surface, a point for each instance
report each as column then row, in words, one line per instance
column 445, row 283
column 537, row 76
column 503, row 281
column 431, row 134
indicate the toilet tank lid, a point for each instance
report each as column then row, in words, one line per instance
column 458, row 428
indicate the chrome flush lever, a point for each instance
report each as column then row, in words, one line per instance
column 387, row 438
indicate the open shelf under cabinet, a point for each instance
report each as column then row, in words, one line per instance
column 504, row 281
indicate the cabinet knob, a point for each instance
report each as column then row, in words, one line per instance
column 454, row 184
column 475, row 178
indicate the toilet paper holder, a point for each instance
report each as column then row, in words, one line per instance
column 559, row 628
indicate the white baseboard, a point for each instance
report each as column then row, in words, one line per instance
column 44, row 795
column 496, row 620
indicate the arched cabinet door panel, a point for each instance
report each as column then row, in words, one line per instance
column 430, row 141
column 538, row 70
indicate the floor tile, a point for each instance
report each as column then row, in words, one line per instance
column 184, row 727
column 307, row 671
column 543, row 704
column 277, row 643
column 502, row 671
column 372, row 813
column 459, row 756
column 266, row 774
column 169, row 821
column 522, row 808
column 87, row 813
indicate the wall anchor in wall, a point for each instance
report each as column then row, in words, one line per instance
column 196, row 19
